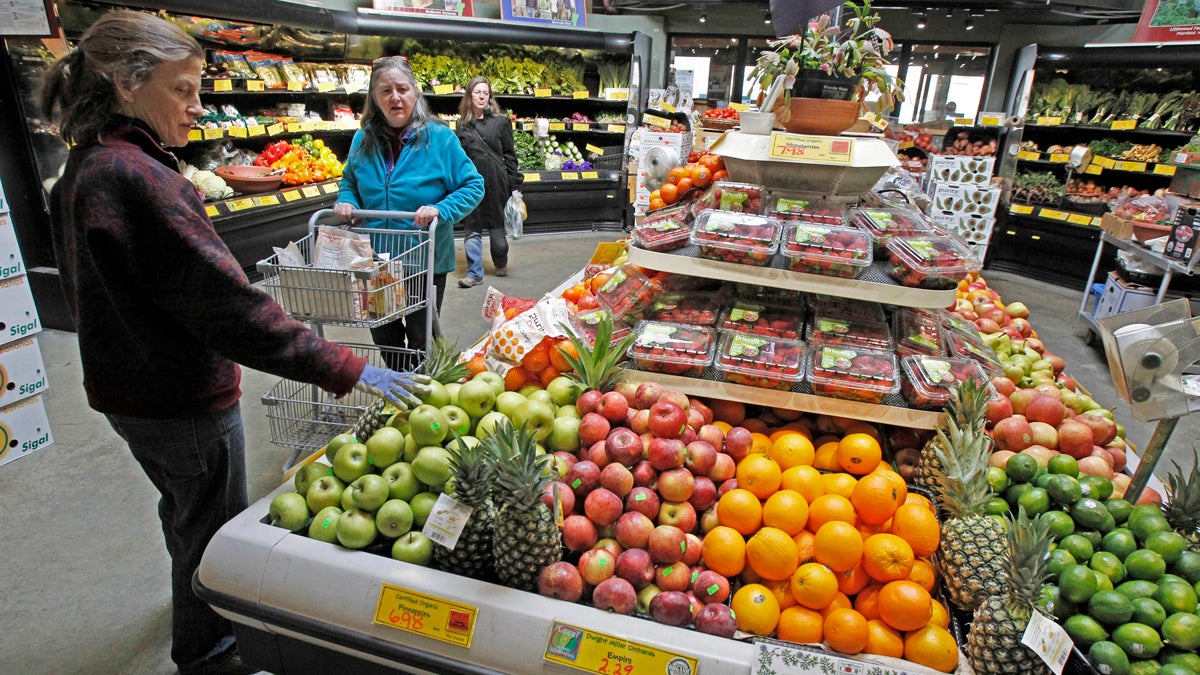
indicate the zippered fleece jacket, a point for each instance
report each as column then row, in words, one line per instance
column 163, row 311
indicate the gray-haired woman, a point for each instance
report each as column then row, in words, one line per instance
column 163, row 311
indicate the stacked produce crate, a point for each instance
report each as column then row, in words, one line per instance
column 964, row 201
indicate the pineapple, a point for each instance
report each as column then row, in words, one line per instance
column 967, row 410
column 374, row 418
column 1183, row 503
column 994, row 644
column 596, row 366
column 525, row 538
column 473, row 475
column 971, row 554
column 442, row 364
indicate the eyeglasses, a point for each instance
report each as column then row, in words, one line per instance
column 385, row 59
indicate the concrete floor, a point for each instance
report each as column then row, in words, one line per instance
column 85, row 575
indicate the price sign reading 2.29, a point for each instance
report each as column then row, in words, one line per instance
column 594, row 652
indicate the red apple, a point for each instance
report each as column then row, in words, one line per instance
column 1044, row 434
column 639, row 421
column 676, row 485
column 667, row 420
column 667, row 544
column 998, row 408
column 1003, row 385
column 673, row 577
column 582, row 477
column 644, row 474
column 644, row 500
column 1103, row 429
column 647, row 394
column 713, row 435
column 598, row 454
column 695, row 403
column 578, row 533
column 695, row 419
column 613, row 407
column 603, row 506
column 633, row 530
column 987, row 326
column 704, row 494
column 723, row 469
column 1040, row 454
column 1021, row 398
column 679, row 514
column 688, row 435
column 678, row 398
column 628, row 390
column 1017, row 310
column 725, row 486
column 693, row 550
column 672, row 608
column 593, row 428
column 1013, row 433
column 711, row 587
column 615, row 595
column 1096, row 466
column 611, row 545
column 588, row 401
column 1075, row 439
column 634, row 565
column 623, row 446
column 616, row 478
column 666, row 453
column 709, row 520
column 701, row 457
column 1045, row 408
column 596, row 565
column 561, row 580
column 716, row 619
column 1118, row 457
column 738, row 442
column 1023, row 327
column 566, row 496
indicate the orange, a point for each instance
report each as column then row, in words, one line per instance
column 918, row 526
column 669, row 193
column 724, row 551
column 861, row 427
column 840, row 601
column 741, row 510
column 875, row 498
column 656, row 202
column 846, row 631
column 923, row 573
column 867, row 601
column 538, row 358
column 787, row 510
column 772, row 554
column 887, row 557
column 825, row 458
column 858, row 454
column 720, row 174
column 792, row 448
column 756, row 609
column 516, row 378
column 749, row 576
column 475, row 366
column 804, row 546
column 803, row 479
column 701, row 176
column 759, row 474
column 782, row 590
column 940, row 617
column 677, row 172
column 884, row 640
column 838, row 545
column 547, row 375
column 933, row 647
column 722, row 425
column 839, row 483
column 897, row 481
column 814, row 585
column 853, row 580
column 824, row 509
column 800, row 624
column 789, row 428
column 905, row 605
column 684, row 185
column 730, row 412
column 919, row 500
column 559, row 353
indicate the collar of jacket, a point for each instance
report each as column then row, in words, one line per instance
column 132, row 131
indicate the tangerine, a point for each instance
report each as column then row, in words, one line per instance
column 932, row 646
column 803, row 479
column 677, row 172
column 884, row 640
column 887, row 557
column 827, row 508
column 724, row 551
column 838, row 545
column 839, row 483
column 756, row 609
column 858, row 453
column 772, row 554
column 684, row 185
column 701, row 176
column 786, row 510
column 669, row 193
column 840, row 601
column 905, row 605
column 800, row 624
column 854, row 580
column 940, row 616
column 845, row 631
column 759, row 474
column 720, row 174
column 875, row 498
column 782, row 590
column 559, row 353
column 740, row 509
column 814, row 585
column 792, row 448
column 919, row 526
column 516, row 378
column 804, row 546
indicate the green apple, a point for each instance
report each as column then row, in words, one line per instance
column 307, row 474
column 494, row 379
column 410, row 448
column 384, row 447
column 422, row 506
column 325, row 491
column 543, row 396
column 452, row 389
column 289, row 511
column 351, row 462
column 336, row 443
column 564, row 435
column 414, row 548
column 436, row 395
column 563, row 390
column 402, row 482
column 394, row 518
column 324, row 525
column 486, row 426
column 537, row 416
column 369, row 492
column 460, row 421
column 528, row 390
column 432, row 465
column 462, row 441
column 508, row 402
column 477, row 397
column 399, row 421
column 568, row 411
column 428, row 425
column 356, row 529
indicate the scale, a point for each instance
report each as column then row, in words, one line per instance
column 1079, row 160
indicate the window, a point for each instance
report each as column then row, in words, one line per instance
column 709, row 63
column 943, row 82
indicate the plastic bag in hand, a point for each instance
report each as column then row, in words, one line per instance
column 514, row 215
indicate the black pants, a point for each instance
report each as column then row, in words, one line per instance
column 409, row 332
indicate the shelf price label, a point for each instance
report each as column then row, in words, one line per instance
column 1021, row 209
column 1094, row 169
column 964, row 122
column 266, row 200
column 1120, row 125
column 212, row 210
column 1164, row 169
column 581, row 126
column 311, row 191
column 542, row 92
column 235, row 205
column 590, row 174
column 291, row 195
column 326, row 87
column 255, row 85
column 275, row 129
column 739, row 106
column 582, row 93
column 1053, row 214
column 594, row 652
column 1030, row 155
column 616, row 94
column 532, row 177
column 223, row 85
column 195, row 135
column 619, row 128
column 295, row 127
column 213, row 134
column 570, row 175
column 295, row 86
column 1049, row 121
column 433, row 617
column 991, row 119
column 329, row 188
column 442, row 89
column 354, row 87
column 238, row 132
column 1130, row 166
column 1105, row 162
column 256, row 130
column 1059, row 157
column 822, row 149
column 558, row 126
column 1079, row 219
column 591, row 148
column 1097, row 221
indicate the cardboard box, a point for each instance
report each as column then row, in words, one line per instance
column 961, row 169
column 1117, row 227
column 18, row 315
column 22, row 371
column 11, row 262
column 974, row 230
column 1187, row 181
column 24, row 428
column 1121, row 296
column 968, row 200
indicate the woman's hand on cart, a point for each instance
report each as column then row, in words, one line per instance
column 401, row 388
column 344, row 210
column 425, row 215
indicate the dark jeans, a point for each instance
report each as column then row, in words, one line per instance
column 473, row 245
column 409, row 332
column 198, row 465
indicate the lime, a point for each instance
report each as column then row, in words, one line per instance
column 1188, row 566
column 1196, row 588
column 1060, row 559
column 1144, row 667
column 1119, row 542
column 1014, row 492
column 1035, row 501
column 1041, row 480
column 1110, row 608
column 1149, row 612
column 1063, row 490
column 1169, row 544
column 1145, row 564
column 1119, row 508
column 997, row 479
column 1108, row 657
column 1142, row 510
column 1176, row 596
column 1077, row 583
column 1078, row 546
column 1084, row 630
column 1189, row 660
column 1175, row 669
column 1138, row 588
column 1138, row 640
column 1021, row 468
column 1089, row 513
column 1050, row 602
column 1108, row 564
column 1061, row 524
column 1100, row 488
column 1108, row 524
column 1182, row 630
column 1103, row 583
column 996, row 506
column 1092, row 536
column 1168, row 578
column 1063, row 464
column 1147, row 525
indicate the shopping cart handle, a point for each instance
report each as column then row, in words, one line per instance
column 368, row 213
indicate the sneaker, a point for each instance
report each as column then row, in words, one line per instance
column 467, row 282
column 501, row 271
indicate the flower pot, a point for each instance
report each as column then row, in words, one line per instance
column 817, row 116
column 816, row 83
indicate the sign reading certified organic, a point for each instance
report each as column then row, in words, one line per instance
column 1168, row 21
column 822, row 149
column 434, row 7
column 555, row 12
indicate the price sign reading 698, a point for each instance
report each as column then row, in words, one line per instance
column 438, row 618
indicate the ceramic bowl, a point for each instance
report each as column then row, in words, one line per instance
column 249, row 179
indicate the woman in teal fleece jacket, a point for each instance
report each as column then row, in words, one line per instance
column 403, row 159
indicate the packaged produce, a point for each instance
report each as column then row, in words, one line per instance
column 824, row 304
column 885, row 223
column 790, row 205
column 762, row 319
column 664, row 230
column 830, row 250
column 929, row 381
column 955, row 322
column 627, row 292
column 729, row 196
column 585, row 323
column 691, row 309
column 735, row 237
column 930, row 261
column 964, row 345
column 671, row 348
column 760, row 361
column 864, row 375
column 787, row 297
column 917, row 332
column 835, row 328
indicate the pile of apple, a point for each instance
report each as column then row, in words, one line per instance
column 635, row 498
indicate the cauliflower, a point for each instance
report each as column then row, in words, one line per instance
column 211, row 185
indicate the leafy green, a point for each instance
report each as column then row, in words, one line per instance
column 529, row 156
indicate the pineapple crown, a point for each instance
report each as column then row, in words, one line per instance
column 1183, row 499
column 595, row 367
column 521, row 473
column 442, row 361
column 1028, row 555
column 963, row 450
column 472, row 469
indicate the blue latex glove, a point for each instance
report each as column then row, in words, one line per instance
column 401, row 388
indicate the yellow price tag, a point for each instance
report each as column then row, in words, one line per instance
column 330, row 188
column 615, row 94
column 964, row 122
column 213, row 134
column 800, row 148
column 255, row 85
column 1123, row 125
column 570, row 175
column 655, row 120
column 1094, row 169
column 291, row 195
column 739, row 106
column 426, row 615
column 325, row 87
column 667, row 106
column 593, row 652
column 235, row 205
column 593, row 175
column 1164, row 169
column 295, row 127
column 308, row 126
column 1105, row 162
column 1053, row 214
column 582, row 93
column 295, row 86
column 223, row 85
column 1060, row 157
column 256, row 130
column 443, row 89
column 311, row 191
column 542, row 92
column 1079, row 219
column 1049, row 121
column 453, row 124
column 266, row 200
column 212, row 210
column 325, row 125
column 591, row 148
column 532, row 177
column 1130, row 166
column 238, row 132
column 1097, row 221
column 991, row 121
column 1030, row 155
column 353, row 87
column 558, row 126
column 1021, row 209
column 581, row 126
column 619, row 128
column 195, row 135
column 275, row 129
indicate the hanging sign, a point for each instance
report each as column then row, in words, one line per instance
column 28, row 18
column 1167, row 21
column 435, row 8
column 562, row 13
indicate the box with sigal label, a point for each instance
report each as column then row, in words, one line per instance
column 24, row 428
column 22, row 371
column 11, row 263
column 18, row 314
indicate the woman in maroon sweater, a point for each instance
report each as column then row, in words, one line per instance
column 163, row 311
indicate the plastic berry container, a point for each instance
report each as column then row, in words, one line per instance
column 955, row 322
column 760, row 361
column 857, row 309
column 963, row 345
column 864, row 375
column 585, row 324
column 930, row 261
column 836, row 329
column 828, row 250
column 741, row 238
column 885, row 223
column 786, row 205
column 917, row 332
column 929, row 381
column 725, row 195
column 762, row 319
column 672, row 348
column 665, row 229
column 627, row 292
column 689, row 309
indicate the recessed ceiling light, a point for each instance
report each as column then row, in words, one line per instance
column 921, row 21
column 767, row 19
column 703, row 18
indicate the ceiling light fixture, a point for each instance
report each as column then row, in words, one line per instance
column 969, row 24
column 703, row 18
column 921, row 22
column 950, row 13
column 767, row 19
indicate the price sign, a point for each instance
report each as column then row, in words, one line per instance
column 616, row 94
column 558, row 126
column 822, row 149
column 1059, row 157
column 308, row 126
column 256, row 130
column 1027, row 154
column 1103, row 161
column 443, row 89
column 291, row 195
column 275, row 129
column 1053, row 214
column 619, row 128
column 1164, row 169
column 594, row 652
column 213, row 134
column 1123, row 125
column 591, row 148
column 570, row 175
column 666, row 106
column 590, row 175
column 1021, row 209
column 326, row 87
column 581, row 126
column 1079, row 219
column 235, row 205
column 295, row 127
column 238, row 132
column 1094, row 169
column 255, row 85
column 1130, row 166
column 991, row 119
column 212, row 211
column 353, row 87
column 1048, row 640
column 223, row 85
column 311, row 191
column 876, row 120
column 295, row 86
column 739, row 106
column 1097, row 221
column 582, row 93
column 542, row 92
column 655, row 120
column 964, row 122
column 1049, row 121
column 325, row 125
column 426, row 615
column 329, row 188
column 195, row 135
column 267, row 200
column 532, row 177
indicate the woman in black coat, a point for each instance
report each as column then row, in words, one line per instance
column 487, row 138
